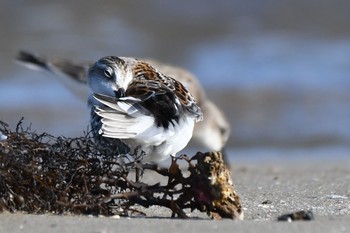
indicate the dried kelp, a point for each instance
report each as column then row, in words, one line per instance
column 40, row 173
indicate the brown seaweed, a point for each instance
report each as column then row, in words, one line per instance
column 40, row 173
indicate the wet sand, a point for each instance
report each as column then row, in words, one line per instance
column 320, row 185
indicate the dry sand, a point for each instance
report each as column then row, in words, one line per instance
column 321, row 185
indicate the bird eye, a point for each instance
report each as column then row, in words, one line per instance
column 108, row 73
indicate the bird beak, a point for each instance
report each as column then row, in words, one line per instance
column 120, row 93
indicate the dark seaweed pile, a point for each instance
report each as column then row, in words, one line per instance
column 40, row 174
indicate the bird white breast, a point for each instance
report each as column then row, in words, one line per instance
column 158, row 143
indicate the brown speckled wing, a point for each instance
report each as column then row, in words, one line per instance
column 168, row 93
column 158, row 99
column 187, row 101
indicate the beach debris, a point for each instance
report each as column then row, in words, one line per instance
column 335, row 196
column 221, row 199
column 266, row 202
column 303, row 215
column 40, row 173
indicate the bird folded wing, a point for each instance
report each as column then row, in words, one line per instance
column 122, row 118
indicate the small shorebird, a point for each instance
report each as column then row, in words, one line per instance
column 212, row 133
column 132, row 101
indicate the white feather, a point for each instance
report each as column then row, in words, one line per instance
column 117, row 124
column 114, row 106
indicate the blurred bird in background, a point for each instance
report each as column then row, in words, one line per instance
column 212, row 133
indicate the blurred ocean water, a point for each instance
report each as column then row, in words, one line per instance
column 279, row 69
column 274, row 61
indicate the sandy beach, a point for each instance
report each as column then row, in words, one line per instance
column 320, row 185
